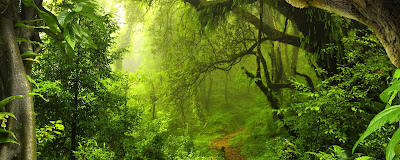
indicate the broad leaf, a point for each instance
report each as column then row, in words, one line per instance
column 85, row 32
column 28, row 3
column 390, row 114
column 50, row 20
column 69, row 36
column 31, row 59
column 11, row 98
column 87, row 41
column 48, row 17
column 64, row 17
column 77, row 8
column 95, row 19
column 21, row 24
column 4, row 115
column 87, row 7
column 396, row 74
column 31, row 80
column 77, row 30
column 20, row 40
column 390, row 152
column 7, row 140
column 29, row 54
column 2, row 130
column 385, row 95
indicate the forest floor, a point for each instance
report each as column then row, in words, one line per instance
column 230, row 153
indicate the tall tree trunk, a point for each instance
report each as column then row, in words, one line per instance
column 208, row 98
column 153, row 98
column 196, row 104
column 17, row 85
column 74, row 126
column 182, row 109
column 226, row 88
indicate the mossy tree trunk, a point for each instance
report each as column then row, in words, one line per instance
column 13, row 78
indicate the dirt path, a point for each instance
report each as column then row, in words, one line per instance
column 230, row 153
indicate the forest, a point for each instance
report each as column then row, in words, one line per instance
column 199, row 79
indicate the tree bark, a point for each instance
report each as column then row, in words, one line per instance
column 226, row 88
column 383, row 17
column 18, row 85
column 153, row 98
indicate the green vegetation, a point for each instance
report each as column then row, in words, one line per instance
column 193, row 79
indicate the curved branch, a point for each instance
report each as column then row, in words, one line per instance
column 383, row 17
column 308, row 79
column 272, row 34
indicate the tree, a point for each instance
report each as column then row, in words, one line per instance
column 381, row 16
column 15, row 41
column 82, row 95
column 21, row 23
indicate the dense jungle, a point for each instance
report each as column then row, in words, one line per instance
column 199, row 79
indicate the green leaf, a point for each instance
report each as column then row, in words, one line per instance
column 385, row 95
column 4, row 115
column 29, row 54
column 51, row 21
column 396, row 74
column 21, row 24
column 69, row 51
column 364, row 158
column 87, row 7
column 390, row 114
column 31, row 80
column 65, row 17
column 20, row 40
column 95, row 19
column 59, row 127
column 85, row 32
column 48, row 17
column 87, row 41
column 390, row 152
column 77, row 8
column 11, row 98
column 69, row 36
column 2, row 130
column 77, row 30
column 31, row 59
column 28, row 3
column 7, row 140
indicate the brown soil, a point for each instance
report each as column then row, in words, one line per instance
column 230, row 153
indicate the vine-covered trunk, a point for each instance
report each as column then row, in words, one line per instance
column 15, row 82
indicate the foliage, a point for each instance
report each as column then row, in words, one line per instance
column 90, row 149
column 328, row 117
column 337, row 152
column 80, row 77
column 5, row 115
column 389, row 115
column 66, row 27
column 179, row 100
column 49, row 132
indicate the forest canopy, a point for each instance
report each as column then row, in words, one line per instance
column 199, row 79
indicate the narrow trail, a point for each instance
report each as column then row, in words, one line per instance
column 230, row 153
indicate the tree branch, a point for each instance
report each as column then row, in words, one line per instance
column 308, row 79
column 272, row 34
